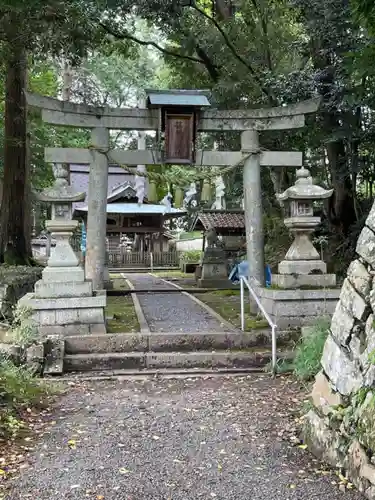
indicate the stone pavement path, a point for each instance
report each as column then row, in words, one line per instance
column 172, row 312
column 187, row 439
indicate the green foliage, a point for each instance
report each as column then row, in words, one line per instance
column 277, row 239
column 19, row 389
column 191, row 256
column 371, row 357
column 193, row 235
column 365, row 12
column 308, row 352
column 18, row 386
column 10, row 426
column 23, row 330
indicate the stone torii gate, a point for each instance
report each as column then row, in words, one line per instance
column 100, row 120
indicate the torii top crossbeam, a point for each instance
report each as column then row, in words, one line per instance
column 65, row 113
column 69, row 114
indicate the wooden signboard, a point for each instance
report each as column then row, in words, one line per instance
column 179, row 138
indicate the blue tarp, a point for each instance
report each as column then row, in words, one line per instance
column 83, row 240
column 242, row 269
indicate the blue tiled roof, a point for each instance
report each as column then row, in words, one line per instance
column 178, row 98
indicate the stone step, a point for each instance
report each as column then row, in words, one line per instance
column 142, row 270
column 167, row 342
column 161, row 360
column 168, row 373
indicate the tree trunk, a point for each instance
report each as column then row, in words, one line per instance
column 28, row 189
column 341, row 211
column 13, row 248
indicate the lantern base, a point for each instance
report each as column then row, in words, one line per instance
column 312, row 281
column 304, row 267
column 295, row 308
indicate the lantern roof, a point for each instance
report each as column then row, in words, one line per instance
column 304, row 189
column 180, row 97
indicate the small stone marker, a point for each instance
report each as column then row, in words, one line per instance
column 54, row 355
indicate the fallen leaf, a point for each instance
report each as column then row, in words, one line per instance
column 72, row 444
column 124, row 471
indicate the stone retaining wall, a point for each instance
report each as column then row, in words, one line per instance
column 341, row 426
column 15, row 282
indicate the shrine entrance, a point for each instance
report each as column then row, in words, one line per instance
column 177, row 117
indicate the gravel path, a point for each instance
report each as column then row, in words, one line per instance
column 219, row 438
column 172, row 312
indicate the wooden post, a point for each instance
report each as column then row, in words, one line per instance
column 97, row 209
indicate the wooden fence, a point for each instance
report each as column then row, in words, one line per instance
column 120, row 258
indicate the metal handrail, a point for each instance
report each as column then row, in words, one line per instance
column 272, row 325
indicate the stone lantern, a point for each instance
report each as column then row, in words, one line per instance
column 302, row 265
column 63, row 302
column 61, row 226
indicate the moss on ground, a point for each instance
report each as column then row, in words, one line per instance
column 119, row 283
column 227, row 303
column 122, row 313
column 172, row 274
column 226, row 293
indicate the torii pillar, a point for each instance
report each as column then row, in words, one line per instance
column 97, row 209
column 252, row 190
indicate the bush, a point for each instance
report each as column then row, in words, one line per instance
column 309, row 351
column 18, row 389
column 23, row 331
column 192, row 256
column 18, row 386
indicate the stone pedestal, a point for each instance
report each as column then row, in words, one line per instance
column 312, row 281
column 214, row 269
column 63, row 301
column 295, row 308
